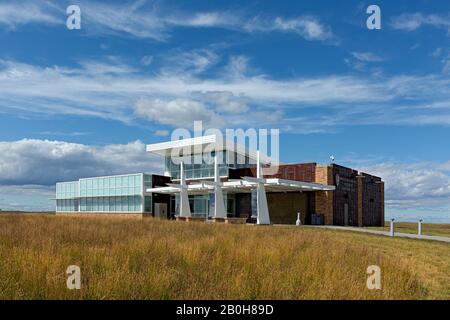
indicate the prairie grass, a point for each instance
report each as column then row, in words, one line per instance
column 151, row 259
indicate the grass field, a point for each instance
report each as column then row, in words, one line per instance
column 431, row 229
column 150, row 259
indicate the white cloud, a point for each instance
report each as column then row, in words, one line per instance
column 413, row 21
column 110, row 90
column 44, row 162
column 27, row 198
column 147, row 60
column 227, row 20
column 194, row 61
column 152, row 21
column 177, row 112
column 309, row 28
column 237, row 66
column 436, row 53
column 15, row 14
column 226, row 102
column 446, row 65
column 367, row 57
column 112, row 66
column 161, row 133
column 412, row 190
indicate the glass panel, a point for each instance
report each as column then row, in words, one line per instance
column 137, row 181
column 117, row 204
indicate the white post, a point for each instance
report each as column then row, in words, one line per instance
column 419, row 227
column 185, row 210
column 261, row 201
column 298, row 222
column 392, row 228
column 219, row 206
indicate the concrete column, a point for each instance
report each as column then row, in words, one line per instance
column 219, row 205
column 261, row 201
column 185, row 210
column 419, row 227
column 391, row 232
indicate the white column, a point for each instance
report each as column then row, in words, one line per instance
column 391, row 233
column 219, row 206
column 261, row 199
column 185, row 210
column 419, row 227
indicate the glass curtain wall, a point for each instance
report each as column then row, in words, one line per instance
column 66, row 196
column 105, row 194
column 205, row 170
column 112, row 194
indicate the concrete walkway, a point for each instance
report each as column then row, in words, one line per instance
column 386, row 233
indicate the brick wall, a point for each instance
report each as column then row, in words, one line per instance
column 372, row 199
column 357, row 201
column 324, row 199
column 345, row 202
column 298, row 172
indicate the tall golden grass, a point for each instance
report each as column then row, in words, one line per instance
column 151, row 259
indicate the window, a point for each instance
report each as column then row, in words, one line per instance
column 148, row 204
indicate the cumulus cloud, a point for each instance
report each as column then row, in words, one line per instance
column 414, row 185
column 110, row 89
column 177, row 112
column 226, row 102
column 44, row 162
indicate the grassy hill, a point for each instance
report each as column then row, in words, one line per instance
column 151, row 259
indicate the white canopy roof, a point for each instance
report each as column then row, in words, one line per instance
column 246, row 184
column 194, row 145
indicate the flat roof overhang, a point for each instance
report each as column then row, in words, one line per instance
column 245, row 185
column 199, row 144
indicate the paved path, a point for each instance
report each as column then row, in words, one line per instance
column 386, row 233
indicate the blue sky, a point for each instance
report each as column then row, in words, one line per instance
column 85, row 102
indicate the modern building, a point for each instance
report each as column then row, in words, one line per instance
column 207, row 178
column 109, row 194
